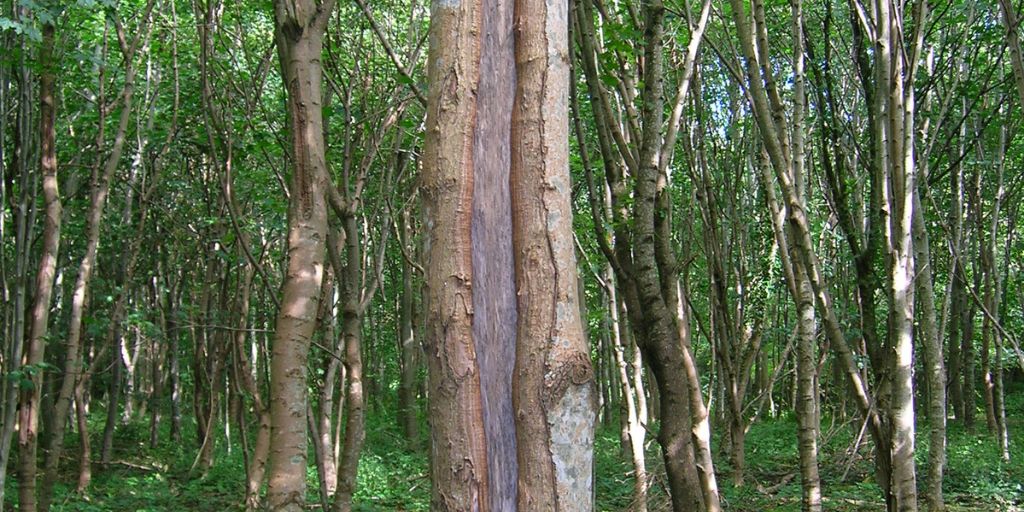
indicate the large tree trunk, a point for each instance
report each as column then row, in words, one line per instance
column 458, row 461
column 299, row 32
column 471, row 292
column 36, row 344
column 553, row 390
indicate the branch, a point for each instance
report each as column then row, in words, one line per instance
column 402, row 70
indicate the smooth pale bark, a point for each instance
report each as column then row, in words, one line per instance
column 807, row 409
column 299, row 31
column 935, row 370
column 35, row 345
column 633, row 399
column 807, row 399
column 554, row 393
column 458, row 458
column 895, row 117
column 958, row 301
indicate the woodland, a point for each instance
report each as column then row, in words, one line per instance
column 497, row 255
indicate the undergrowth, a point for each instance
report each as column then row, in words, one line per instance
column 394, row 477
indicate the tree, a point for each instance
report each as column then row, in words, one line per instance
column 35, row 345
column 299, row 31
column 473, row 337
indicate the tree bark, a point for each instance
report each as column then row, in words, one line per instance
column 36, row 344
column 299, row 31
column 408, row 418
column 458, row 461
column 352, row 336
column 94, row 218
column 553, row 389
column 935, row 370
column 23, row 213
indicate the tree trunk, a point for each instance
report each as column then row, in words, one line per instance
column 553, row 389
column 807, row 399
column 935, row 371
column 299, row 30
column 352, row 336
column 895, row 90
column 23, row 212
column 459, row 457
column 113, row 399
column 94, row 218
column 958, row 300
column 807, row 407
column 36, row 343
column 407, row 411
column 85, row 445
column 472, row 303
column 634, row 402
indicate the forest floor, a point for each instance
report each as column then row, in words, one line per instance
column 394, row 478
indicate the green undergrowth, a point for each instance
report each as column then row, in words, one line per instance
column 394, row 477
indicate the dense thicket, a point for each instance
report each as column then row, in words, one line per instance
column 278, row 253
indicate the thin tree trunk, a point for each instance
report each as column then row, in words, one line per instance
column 407, row 417
column 895, row 84
column 85, row 445
column 635, row 404
column 113, row 399
column 807, row 407
column 24, row 219
column 958, row 301
column 94, row 218
column 807, row 399
column 36, row 343
column 352, row 334
column 935, row 371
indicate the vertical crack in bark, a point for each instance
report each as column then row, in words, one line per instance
column 494, row 300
